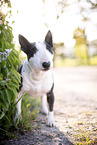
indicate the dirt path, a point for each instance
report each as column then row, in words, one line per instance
column 76, row 103
column 75, row 110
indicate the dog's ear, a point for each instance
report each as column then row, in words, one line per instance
column 48, row 38
column 25, row 44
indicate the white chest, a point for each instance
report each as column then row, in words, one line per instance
column 37, row 85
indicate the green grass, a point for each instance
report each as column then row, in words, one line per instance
column 30, row 110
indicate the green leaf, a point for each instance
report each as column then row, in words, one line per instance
column 1, row 76
column 3, row 104
column 3, row 82
column 15, row 53
column 8, row 95
column 15, row 85
column 3, row 64
column 4, row 98
column 1, row 115
column 10, row 60
column 14, row 91
column 14, row 80
column 17, row 75
column 9, row 86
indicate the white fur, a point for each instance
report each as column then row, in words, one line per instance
column 51, row 119
column 44, row 108
column 37, row 82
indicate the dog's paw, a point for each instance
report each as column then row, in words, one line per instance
column 51, row 122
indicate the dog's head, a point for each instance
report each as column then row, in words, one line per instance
column 39, row 54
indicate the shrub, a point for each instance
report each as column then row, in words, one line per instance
column 9, row 77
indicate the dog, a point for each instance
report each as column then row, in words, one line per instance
column 37, row 78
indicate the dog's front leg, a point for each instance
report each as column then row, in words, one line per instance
column 50, row 100
column 44, row 108
column 18, row 109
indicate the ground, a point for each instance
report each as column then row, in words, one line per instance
column 76, row 103
column 75, row 111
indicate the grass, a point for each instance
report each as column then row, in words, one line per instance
column 30, row 110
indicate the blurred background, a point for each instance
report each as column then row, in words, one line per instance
column 72, row 23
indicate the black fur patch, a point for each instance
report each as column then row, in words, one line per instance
column 49, row 48
column 20, row 70
column 32, row 50
column 50, row 98
column 52, row 87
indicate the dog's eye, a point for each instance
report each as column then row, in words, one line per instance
column 32, row 51
column 34, row 48
column 49, row 49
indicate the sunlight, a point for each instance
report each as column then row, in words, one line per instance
column 4, row 9
column 35, row 18
column 28, row 20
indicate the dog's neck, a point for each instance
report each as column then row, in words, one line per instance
column 35, row 73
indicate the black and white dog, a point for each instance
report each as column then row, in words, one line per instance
column 37, row 79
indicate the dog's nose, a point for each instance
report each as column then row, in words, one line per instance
column 46, row 65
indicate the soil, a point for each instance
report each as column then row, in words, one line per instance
column 75, row 111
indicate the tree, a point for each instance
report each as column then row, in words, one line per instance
column 81, row 48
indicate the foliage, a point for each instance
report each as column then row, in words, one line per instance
column 9, row 84
column 2, row 2
column 9, row 77
column 81, row 47
column 86, row 8
column 30, row 109
column 58, row 51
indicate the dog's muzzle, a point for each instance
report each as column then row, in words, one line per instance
column 46, row 65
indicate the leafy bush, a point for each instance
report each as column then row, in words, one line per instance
column 9, row 77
